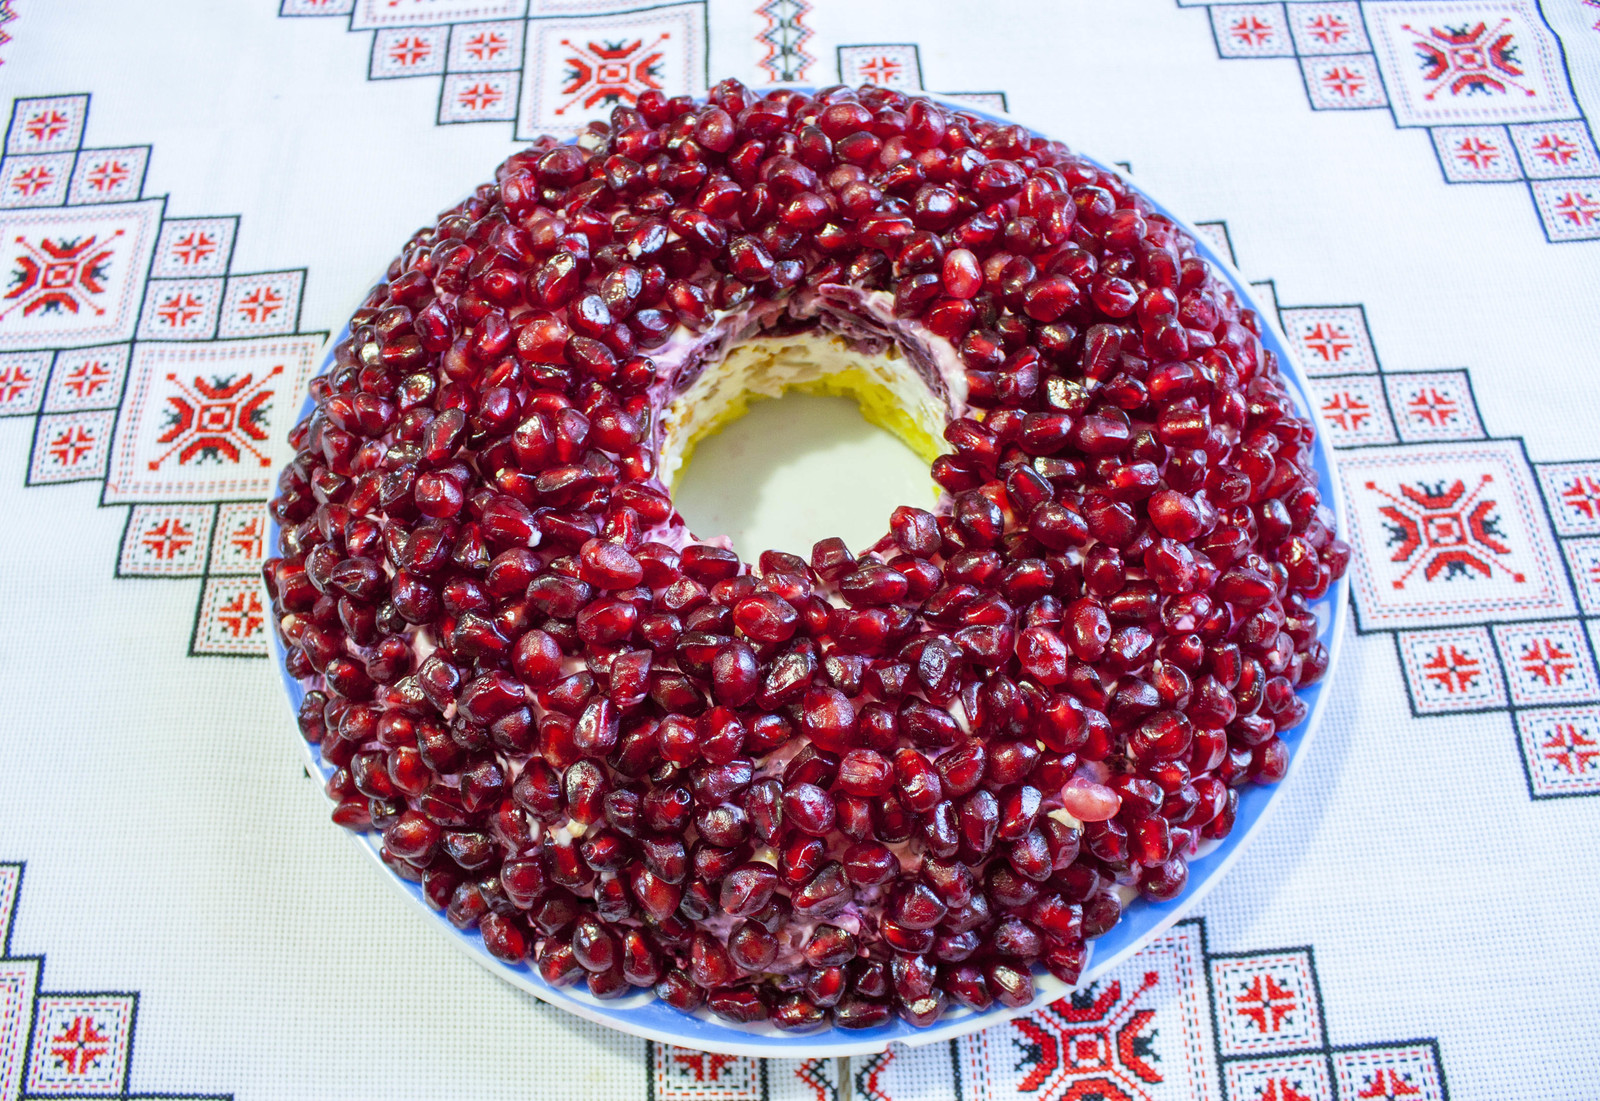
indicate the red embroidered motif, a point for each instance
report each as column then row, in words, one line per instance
column 1571, row 749
column 869, row 1077
column 881, row 70
column 80, row 1045
column 108, row 176
column 1389, row 1085
column 706, row 1065
column 180, row 308
column 260, row 304
column 1454, row 671
column 486, row 46
column 1330, row 30
column 1330, row 341
column 1549, row 661
column 1582, row 495
column 1468, row 60
column 217, row 420
column 1347, row 411
column 1478, row 153
column 33, row 179
column 1433, row 407
column 1344, row 82
column 1090, row 1043
column 479, row 97
column 1251, row 31
column 247, row 537
column 811, row 1073
column 1578, row 209
column 1265, row 1003
column 409, row 51
column 46, row 125
column 85, row 380
column 14, row 382
column 1555, row 149
column 1444, row 532
column 611, row 72
column 1591, row 572
column 59, row 275
column 1451, row 670
column 169, row 538
column 194, row 247
column 72, row 445
column 243, row 616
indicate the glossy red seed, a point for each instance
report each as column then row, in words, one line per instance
column 870, row 864
column 865, row 772
column 808, row 808
column 916, row 780
column 766, row 617
column 1088, row 801
column 748, row 888
column 828, row 718
column 961, row 276
column 1043, row 655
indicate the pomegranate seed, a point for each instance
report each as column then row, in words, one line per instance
column 865, row 772
column 1011, row 986
column 916, row 780
column 1088, row 801
column 748, row 888
column 809, row 809
column 870, row 864
column 1164, row 881
column 962, row 276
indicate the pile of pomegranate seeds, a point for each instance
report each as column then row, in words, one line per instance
column 826, row 789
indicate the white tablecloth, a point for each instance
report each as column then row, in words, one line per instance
column 1414, row 184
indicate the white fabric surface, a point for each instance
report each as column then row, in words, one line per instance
column 1434, row 906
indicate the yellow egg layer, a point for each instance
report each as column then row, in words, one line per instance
column 878, row 405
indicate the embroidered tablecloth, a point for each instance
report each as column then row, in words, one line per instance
column 193, row 193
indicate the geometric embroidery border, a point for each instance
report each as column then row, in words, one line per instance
column 1434, row 406
column 1571, row 533
column 1065, row 1055
column 1355, row 409
column 219, row 448
column 87, row 398
column 166, row 540
column 1583, row 559
column 476, row 86
column 90, row 1037
column 1547, row 662
column 1410, row 1070
column 237, row 549
column 77, row 1043
column 1472, row 146
column 1280, row 1077
column 231, row 619
column 1452, row 671
column 1450, row 533
column 675, row 1073
column 1559, row 748
column 1572, row 491
column 1259, row 1015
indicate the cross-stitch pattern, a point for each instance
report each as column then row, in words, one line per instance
column 146, row 362
column 1487, row 78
